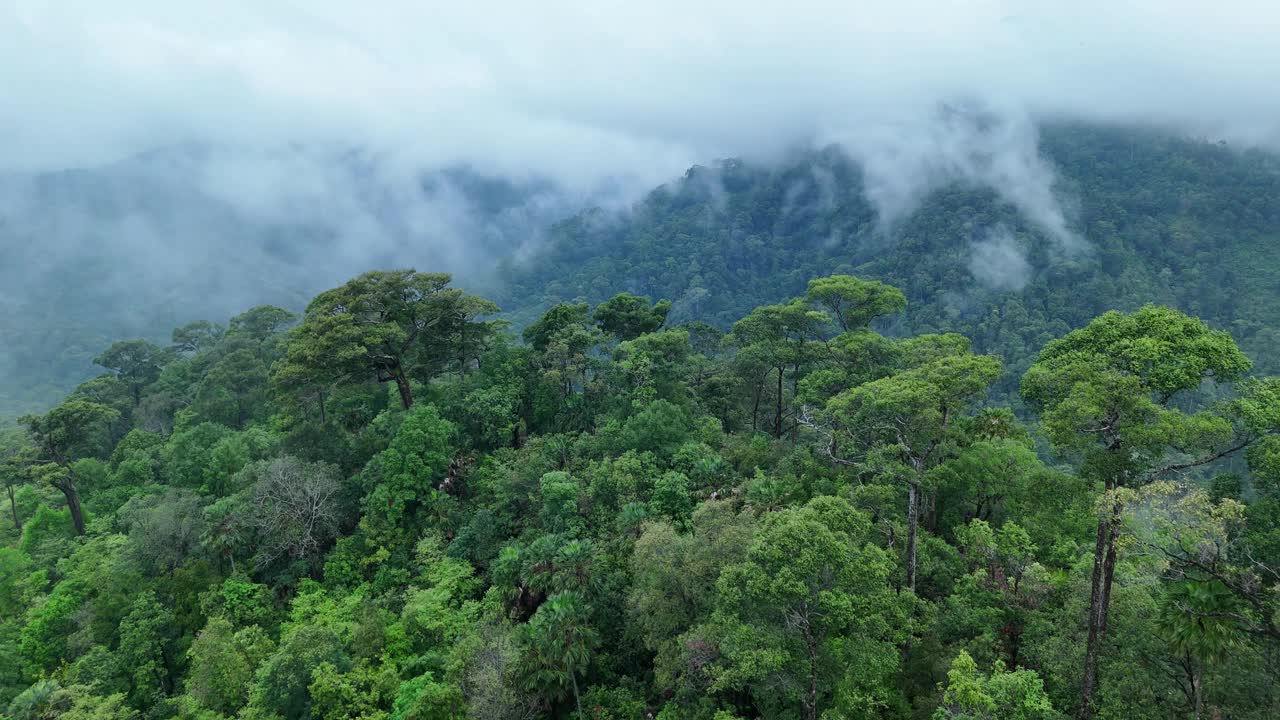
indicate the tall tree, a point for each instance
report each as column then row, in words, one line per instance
column 558, row 642
column 136, row 363
column 1107, row 393
column 779, row 337
column 900, row 426
column 379, row 325
column 853, row 303
column 627, row 317
column 64, row 433
column 805, row 602
column 16, row 458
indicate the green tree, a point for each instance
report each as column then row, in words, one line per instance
column 627, row 317
column 901, row 425
column 136, row 363
column 283, row 680
column 780, row 338
column 558, row 644
column 147, row 635
column 222, row 661
column 1199, row 621
column 194, row 338
column 72, row 429
column 1106, row 395
column 381, row 325
column 16, row 459
column 404, row 478
column 853, row 303
column 260, row 323
column 1002, row 695
column 232, row 388
column 807, row 607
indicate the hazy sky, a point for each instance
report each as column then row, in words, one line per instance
column 297, row 132
column 581, row 90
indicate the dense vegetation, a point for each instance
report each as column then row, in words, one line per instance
column 1181, row 222
column 390, row 507
column 1184, row 223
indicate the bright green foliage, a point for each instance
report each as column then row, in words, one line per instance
column 284, row 678
column 403, row 478
column 147, row 634
column 359, row 693
column 1107, row 387
column 684, row 523
column 385, row 326
column 1002, row 695
column 671, row 497
column 222, row 662
column 1200, row 620
column 803, row 613
column 44, row 637
column 423, row 698
column 853, row 303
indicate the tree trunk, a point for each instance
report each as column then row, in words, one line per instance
column 755, row 406
column 13, row 505
column 795, row 393
column 402, row 383
column 811, row 705
column 1104, row 560
column 462, row 352
column 1197, row 688
column 68, row 488
column 913, row 524
column 577, row 699
column 777, row 422
column 931, row 512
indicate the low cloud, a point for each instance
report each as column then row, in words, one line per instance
column 241, row 152
column 999, row 262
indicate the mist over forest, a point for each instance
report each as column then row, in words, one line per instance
column 718, row 362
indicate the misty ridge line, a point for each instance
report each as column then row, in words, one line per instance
column 327, row 216
column 204, row 232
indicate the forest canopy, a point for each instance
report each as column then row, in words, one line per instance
column 391, row 506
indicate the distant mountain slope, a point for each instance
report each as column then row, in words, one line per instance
column 154, row 242
column 1167, row 220
column 135, row 249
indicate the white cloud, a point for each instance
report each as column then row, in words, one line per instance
column 998, row 262
column 583, row 91
column 921, row 92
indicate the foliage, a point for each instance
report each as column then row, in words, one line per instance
column 814, row 515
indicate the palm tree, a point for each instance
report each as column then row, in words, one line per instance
column 1199, row 622
column 558, row 643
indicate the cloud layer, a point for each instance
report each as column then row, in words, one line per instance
column 581, row 92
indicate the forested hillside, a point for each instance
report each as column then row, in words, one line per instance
column 134, row 249
column 138, row 247
column 1160, row 219
column 391, row 507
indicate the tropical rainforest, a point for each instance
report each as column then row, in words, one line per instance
column 749, row 450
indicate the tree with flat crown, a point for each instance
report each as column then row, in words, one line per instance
column 1107, row 393
column 382, row 325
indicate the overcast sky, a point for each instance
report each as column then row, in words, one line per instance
column 581, row 90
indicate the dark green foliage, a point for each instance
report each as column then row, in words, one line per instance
column 824, row 512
